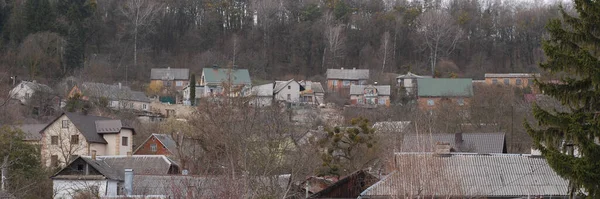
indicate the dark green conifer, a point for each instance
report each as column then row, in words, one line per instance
column 573, row 51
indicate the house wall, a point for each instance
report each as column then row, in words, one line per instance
column 423, row 101
column 179, row 109
column 67, row 189
column 354, row 100
column 146, row 149
column 174, row 84
column 293, row 91
column 115, row 147
column 100, row 148
column 525, row 82
column 64, row 148
column 261, row 101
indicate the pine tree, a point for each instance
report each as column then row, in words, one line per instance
column 193, row 90
column 573, row 50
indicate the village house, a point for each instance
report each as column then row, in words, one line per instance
column 262, row 95
column 313, row 93
column 113, row 96
column 341, row 79
column 187, row 94
column 408, row 82
column 432, row 92
column 521, row 80
column 288, row 91
column 72, row 134
column 170, row 78
column 217, row 80
column 348, row 187
column 483, row 143
column 25, row 91
column 107, row 176
column 369, row 95
column 157, row 144
column 469, row 175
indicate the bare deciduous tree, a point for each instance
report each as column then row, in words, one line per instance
column 440, row 34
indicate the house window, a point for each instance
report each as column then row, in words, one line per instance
column 144, row 106
column 65, row 124
column 153, row 147
column 309, row 98
column 506, row 81
column 346, row 83
column 74, row 139
column 124, row 141
column 80, row 167
column 460, row 101
column 179, row 83
column 382, row 101
column 289, row 87
column 54, row 160
column 54, row 140
column 494, row 81
column 334, row 83
column 519, row 82
column 430, row 102
column 289, row 97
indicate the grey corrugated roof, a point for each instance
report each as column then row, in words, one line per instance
column 31, row 131
column 220, row 75
column 410, row 75
column 167, row 141
column 511, row 75
column 348, row 74
column 359, row 89
column 141, row 164
column 281, row 84
column 469, row 175
column 391, row 126
column 38, row 87
column 87, row 126
column 112, row 92
column 108, row 126
column 103, row 168
column 171, row 185
column 170, row 74
column 472, row 142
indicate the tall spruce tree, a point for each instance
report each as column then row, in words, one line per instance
column 193, row 90
column 573, row 50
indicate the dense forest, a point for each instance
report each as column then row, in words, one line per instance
column 119, row 41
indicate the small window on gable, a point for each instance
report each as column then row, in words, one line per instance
column 430, row 102
column 54, row 140
column 289, row 87
column 153, row 147
column 80, row 167
column 74, row 139
column 65, row 124
column 124, row 141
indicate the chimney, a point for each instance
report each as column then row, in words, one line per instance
column 93, row 154
column 442, row 149
column 128, row 182
column 235, row 67
column 458, row 140
column 215, row 66
column 342, row 68
column 34, row 81
column 375, row 83
column 354, row 68
column 119, row 85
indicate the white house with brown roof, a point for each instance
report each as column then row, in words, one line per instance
column 73, row 134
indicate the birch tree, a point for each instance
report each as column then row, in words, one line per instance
column 139, row 14
column 385, row 50
column 335, row 44
column 439, row 33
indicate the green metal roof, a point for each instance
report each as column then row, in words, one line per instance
column 219, row 75
column 445, row 87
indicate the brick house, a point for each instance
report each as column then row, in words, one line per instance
column 521, row 80
column 157, row 144
column 431, row 92
column 340, row 79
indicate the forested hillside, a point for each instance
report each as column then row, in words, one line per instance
column 120, row 40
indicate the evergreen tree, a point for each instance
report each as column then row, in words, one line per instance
column 77, row 13
column 193, row 90
column 573, row 50
column 39, row 15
